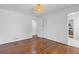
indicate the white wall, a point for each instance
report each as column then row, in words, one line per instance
column 75, row 17
column 76, row 25
column 56, row 27
column 14, row 26
column 34, row 27
column 42, row 26
column 57, row 24
column 74, row 41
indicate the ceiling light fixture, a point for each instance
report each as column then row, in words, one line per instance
column 38, row 8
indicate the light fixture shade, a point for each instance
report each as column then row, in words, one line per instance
column 38, row 8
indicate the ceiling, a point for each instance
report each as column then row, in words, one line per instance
column 28, row 8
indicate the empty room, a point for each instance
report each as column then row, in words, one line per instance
column 39, row 28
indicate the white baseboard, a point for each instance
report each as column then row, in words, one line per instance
column 73, row 42
column 52, row 36
column 6, row 39
column 54, row 40
column 70, row 42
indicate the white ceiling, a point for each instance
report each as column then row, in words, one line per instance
column 28, row 8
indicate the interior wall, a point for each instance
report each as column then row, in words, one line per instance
column 34, row 27
column 76, row 25
column 57, row 24
column 42, row 26
column 75, row 40
column 14, row 26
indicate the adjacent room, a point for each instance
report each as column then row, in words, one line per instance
column 39, row 28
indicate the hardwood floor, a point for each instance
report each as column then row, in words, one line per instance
column 37, row 46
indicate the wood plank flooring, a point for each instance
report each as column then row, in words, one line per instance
column 37, row 46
